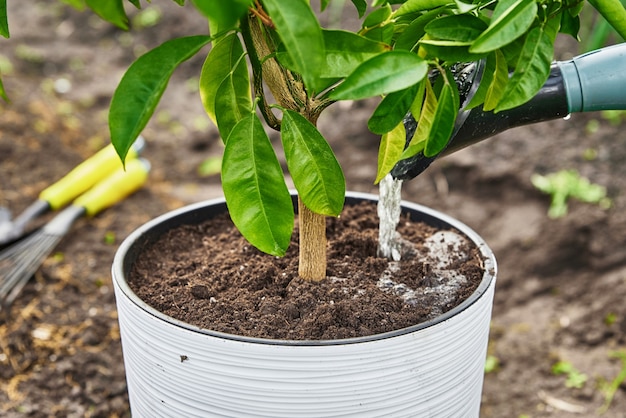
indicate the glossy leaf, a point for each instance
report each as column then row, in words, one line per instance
column 141, row 88
column 4, row 23
column 110, row 10
column 418, row 101
column 312, row 164
column 531, row 72
column 510, row 20
column 481, row 92
column 570, row 25
column 232, row 100
column 391, row 147
column 361, row 6
column 301, row 33
column 391, row 110
column 412, row 6
column 220, row 62
column 383, row 74
column 424, row 123
column 410, row 36
column 377, row 17
column 225, row 14
column 450, row 51
column 345, row 51
column 377, row 25
column 443, row 121
column 499, row 80
column 614, row 11
column 257, row 197
column 461, row 28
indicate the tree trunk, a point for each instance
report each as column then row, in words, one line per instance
column 312, row 244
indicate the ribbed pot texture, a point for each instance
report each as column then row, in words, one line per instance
column 173, row 369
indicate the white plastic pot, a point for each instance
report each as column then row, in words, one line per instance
column 173, row 369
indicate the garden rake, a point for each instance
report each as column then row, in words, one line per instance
column 59, row 194
column 20, row 261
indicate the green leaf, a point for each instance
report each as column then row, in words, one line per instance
column 76, row 4
column 135, row 3
column 312, row 164
column 392, row 109
column 449, row 51
column 3, row 93
column 614, row 12
column 412, row 6
column 415, row 31
column 424, row 123
column 461, row 28
column 301, row 33
column 345, row 51
column 110, row 10
column 257, row 197
column 361, row 7
column 444, row 118
column 510, row 20
column 232, row 100
column 499, row 80
column 382, row 74
column 390, row 150
column 377, row 17
column 378, row 26
column 225, row 14
column 220, row 62
column 141, row 88
column 570, row 25
column 418, row 101
column 481, row 92
column 531, row 72
column 4, row 23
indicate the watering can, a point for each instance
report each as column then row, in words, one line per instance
column 589, row 82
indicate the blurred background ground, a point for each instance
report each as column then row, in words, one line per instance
column 561, row 284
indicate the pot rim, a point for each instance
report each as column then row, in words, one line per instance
column 135, row 238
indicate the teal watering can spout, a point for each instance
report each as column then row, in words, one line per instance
column 596, row 80
column 589, row 82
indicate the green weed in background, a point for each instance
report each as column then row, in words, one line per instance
column 566, row 184
column 611, row 388
column 575, row 379
column 492, row 364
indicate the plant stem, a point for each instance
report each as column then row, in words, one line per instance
column 312, row 265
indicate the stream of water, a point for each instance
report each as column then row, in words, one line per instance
column 389, row 244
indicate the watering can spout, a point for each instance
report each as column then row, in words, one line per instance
column 589, row 82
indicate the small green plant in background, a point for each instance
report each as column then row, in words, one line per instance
column 566, row 184
column 610, row 319
column 610, row 388
column 614, row 117
column 574, row 378
column 492, row 364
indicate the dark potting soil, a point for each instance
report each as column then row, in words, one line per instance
column 208, row 275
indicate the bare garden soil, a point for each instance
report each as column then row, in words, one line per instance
column 561, row 284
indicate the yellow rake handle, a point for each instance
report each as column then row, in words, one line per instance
column 115, row 187
column 84, row 176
